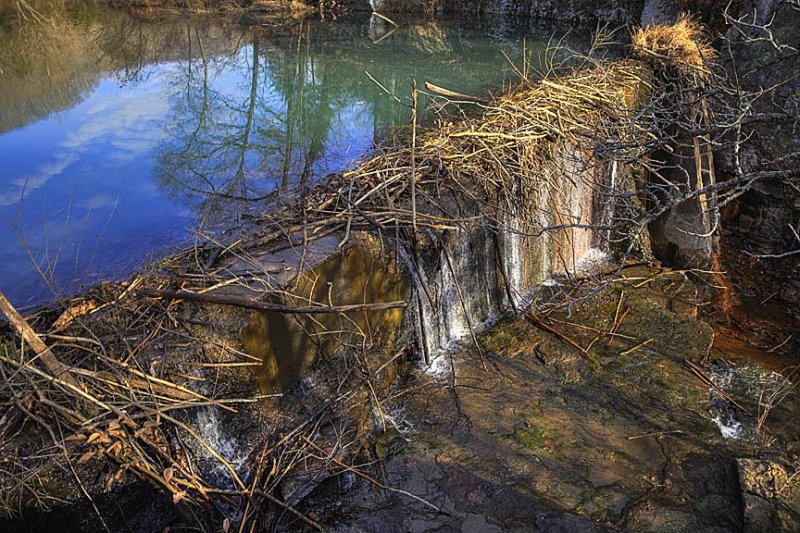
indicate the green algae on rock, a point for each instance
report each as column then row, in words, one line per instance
column 630, row 445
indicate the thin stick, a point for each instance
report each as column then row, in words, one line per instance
column 640, row 345
column 385, row 18
column 414, row 157
column 538, row 323
column 441, row 91
column 703, row 376
column 657, row 434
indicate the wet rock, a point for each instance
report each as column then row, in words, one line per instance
column 476, row 523
column 758, row 514
column 771, row 499
column 550, row 438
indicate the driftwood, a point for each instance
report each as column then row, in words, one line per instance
column 447, row 93
column 59, row 369
column 249, row 303
column 14, row 415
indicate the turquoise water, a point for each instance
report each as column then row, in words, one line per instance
column 122, row 138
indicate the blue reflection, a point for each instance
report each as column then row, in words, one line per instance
column 170, row 126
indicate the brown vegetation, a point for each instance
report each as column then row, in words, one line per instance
column 682, row 45
column 132, row 359
column 509, row 157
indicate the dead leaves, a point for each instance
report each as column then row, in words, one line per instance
column 86, row 457
column 115, row 449
column 113, row 478
column 99, row 437
column 109, row 441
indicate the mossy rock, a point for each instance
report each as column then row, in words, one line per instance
column 509, row 338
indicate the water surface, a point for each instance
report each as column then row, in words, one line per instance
column 122, row 136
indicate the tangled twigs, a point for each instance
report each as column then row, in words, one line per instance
column 516, row 167
column 268, row 306
column 102, row 406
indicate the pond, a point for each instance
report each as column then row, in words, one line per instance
column 123, row 136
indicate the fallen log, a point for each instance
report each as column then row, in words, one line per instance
column 249, row 303
column 43, row 352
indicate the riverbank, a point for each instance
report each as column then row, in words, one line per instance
column 266, row 8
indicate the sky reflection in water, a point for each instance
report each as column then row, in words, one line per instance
column 176, row 121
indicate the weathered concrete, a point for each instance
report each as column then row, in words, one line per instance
column 289, row 345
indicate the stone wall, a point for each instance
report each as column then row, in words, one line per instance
column 564, row 10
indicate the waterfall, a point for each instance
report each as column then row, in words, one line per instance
column 467, row 287
column 512, row 259
column 226, row 444
column 477, row 274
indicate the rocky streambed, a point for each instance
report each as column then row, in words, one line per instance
column 539, row 435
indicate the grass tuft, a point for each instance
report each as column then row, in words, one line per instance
column 682, row 48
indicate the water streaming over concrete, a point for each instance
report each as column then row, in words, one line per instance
column 480, row 273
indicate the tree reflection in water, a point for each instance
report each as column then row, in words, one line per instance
column 230, row 144
column 119, row 132
column 303, row 106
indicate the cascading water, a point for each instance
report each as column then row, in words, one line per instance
column 463, row 289
column 512, row 261
column 476, row 277
column 480, row 273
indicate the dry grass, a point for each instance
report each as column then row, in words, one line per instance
column 501, row 156
column 683, row 47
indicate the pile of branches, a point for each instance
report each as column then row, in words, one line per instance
column 99, row 395
column 482, row 169
column 112, row 392
column 573, row 120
